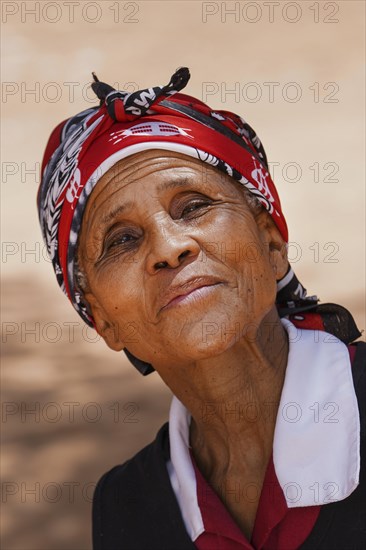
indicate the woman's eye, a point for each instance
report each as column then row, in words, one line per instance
column 120, row 239
column 192, row 206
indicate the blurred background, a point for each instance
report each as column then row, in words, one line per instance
column 72, row 408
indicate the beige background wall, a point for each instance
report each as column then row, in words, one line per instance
column 295, row 71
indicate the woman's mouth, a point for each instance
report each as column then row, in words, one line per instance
column 194, row 296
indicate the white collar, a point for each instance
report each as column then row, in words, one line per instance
column 316, row 449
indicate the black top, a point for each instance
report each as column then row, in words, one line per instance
column 135, row 508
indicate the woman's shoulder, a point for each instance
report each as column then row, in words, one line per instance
column 358, row 361
column 358, row 356
column 134, row 505
column 357, row 351
column 138, row 470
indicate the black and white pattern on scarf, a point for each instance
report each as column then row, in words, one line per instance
column 60, row 174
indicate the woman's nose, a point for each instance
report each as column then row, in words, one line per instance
column 169, row 245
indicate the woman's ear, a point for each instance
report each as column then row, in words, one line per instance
column 107, row 330
column 277, row 247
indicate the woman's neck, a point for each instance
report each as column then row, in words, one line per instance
column 233, row 399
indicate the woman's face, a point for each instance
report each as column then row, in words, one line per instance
column 157, row 220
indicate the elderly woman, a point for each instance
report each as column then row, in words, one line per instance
column 166, row 233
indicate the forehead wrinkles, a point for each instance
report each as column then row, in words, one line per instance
column 133, row 169
column 118, row 174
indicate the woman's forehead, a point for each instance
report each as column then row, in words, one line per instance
column 152, row 161
column 169, row 169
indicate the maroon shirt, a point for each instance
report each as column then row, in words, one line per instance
column 276, row 525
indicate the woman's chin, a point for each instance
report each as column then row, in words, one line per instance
column 208, row 339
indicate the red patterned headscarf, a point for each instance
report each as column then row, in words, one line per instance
column 83, row 148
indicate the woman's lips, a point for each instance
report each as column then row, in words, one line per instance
column 192, row 296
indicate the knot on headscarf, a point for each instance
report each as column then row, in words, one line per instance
column 125, row 107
